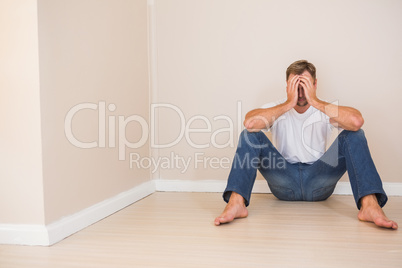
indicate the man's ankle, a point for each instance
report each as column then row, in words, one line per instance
column 236, row 198
column 369, row 200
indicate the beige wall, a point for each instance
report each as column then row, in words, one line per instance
column 21, row 183
column 90, row 52
column 214, row 53
column 56, row 55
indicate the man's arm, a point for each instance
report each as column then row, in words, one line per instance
column 341, row 116
column 259, row 119
column 345, row 117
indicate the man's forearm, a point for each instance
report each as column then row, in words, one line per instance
column 345, row 117
column 259, row 119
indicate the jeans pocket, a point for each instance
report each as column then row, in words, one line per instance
column 323, row 193
column 282, row 193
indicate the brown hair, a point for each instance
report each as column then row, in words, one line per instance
column 298, row 67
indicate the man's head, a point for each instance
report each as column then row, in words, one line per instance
column 299, row 67
column 304, row 68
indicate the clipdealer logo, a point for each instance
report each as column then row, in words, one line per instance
column 110, row 124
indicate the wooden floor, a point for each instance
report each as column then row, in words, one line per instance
column 176, row 230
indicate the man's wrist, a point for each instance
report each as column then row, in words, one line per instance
column 318, row 104
column 288, row 105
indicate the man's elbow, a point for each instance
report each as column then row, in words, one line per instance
column 357, row 123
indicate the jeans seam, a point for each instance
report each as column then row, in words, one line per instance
column 280, row 188
column 301, row 182
column 321, row 188
column 353, row 166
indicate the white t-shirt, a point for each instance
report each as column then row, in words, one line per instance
column 301, row 137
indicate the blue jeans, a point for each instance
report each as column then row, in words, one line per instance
column 304, row 182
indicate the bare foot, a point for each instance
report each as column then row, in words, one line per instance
column 370, row 211
column 233, row 210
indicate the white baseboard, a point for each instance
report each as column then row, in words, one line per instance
column 50, row 234
column 260, row 186
column 57, row 231
column 393, row 188
column 24, row 234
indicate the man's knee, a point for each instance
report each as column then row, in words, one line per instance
column 354, row 135
column 253, row 139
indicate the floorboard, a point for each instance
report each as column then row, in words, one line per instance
column 176, row 230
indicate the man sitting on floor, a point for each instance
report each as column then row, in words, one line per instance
column 303, row 170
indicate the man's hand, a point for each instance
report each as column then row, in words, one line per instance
column 291, row 90
column 341, row 116
column 309, row 88
column 259, row 119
